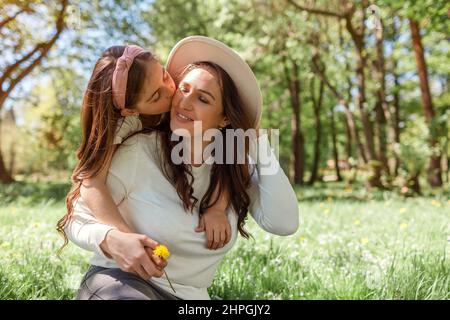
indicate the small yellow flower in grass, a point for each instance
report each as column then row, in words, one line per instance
column 356, row 222
column 348, row 189
column 402, row 210
column 164, row 253
column 364, row 240
column 435, row 203
column 5, row 244
column 326, row 211
column 403, row 226
column 321, row 205
column 302, row 238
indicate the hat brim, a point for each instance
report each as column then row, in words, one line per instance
column 198, row 48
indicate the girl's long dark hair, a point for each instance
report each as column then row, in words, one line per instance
column 99, row 120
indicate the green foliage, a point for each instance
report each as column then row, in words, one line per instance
column 414, row 149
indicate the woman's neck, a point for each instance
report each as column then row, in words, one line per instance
column 196, row 147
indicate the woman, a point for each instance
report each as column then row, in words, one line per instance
column 162, row 200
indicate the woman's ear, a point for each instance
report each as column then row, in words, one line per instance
column 224, row 123
column 126, row 112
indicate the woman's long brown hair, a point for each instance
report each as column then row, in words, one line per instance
column 232, row 179
column 99, row 120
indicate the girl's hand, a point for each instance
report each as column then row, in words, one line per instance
column 130, row 251
column 218, row 229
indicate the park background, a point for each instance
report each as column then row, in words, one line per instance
column 358, row 90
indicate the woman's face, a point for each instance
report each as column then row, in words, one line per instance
column 157, row 91
column 197, row 98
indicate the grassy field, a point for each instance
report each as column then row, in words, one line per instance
column 350, row 245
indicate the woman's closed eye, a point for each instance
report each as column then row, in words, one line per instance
column 185, row 89
column 202, row 99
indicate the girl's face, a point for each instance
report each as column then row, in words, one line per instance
column 157, row 91
column 197, row 98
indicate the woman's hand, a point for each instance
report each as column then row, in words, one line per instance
column 134, row 253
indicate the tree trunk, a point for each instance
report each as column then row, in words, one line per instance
column 396, row 102
column 335, row 149
column 317, row 105
column 413, row 184
column 348, row 140
column 5, row 175
column 385, row 127
column 358, row 39
column 297, row 137
column 396, row 122
column 12, row 161
column 434, row 169
column 350, row 119
column 382, row 137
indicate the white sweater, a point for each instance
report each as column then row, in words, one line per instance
column 151, row 206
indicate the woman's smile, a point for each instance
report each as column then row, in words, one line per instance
column 183, row 117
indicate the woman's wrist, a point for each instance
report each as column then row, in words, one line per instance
column 105, row 245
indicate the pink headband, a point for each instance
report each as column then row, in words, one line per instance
column 120, row 75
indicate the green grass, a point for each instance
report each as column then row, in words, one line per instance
column 350, row 245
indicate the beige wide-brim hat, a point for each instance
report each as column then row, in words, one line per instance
column 198, row 48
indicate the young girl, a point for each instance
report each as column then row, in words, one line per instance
column 127, row 82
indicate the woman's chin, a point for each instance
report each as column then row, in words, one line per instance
column 181, row 129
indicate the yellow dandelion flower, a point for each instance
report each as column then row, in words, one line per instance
column 302, row 239
column 403, row 226
column 356, row 222
column 162, row 252
column 326, row 211
column 402, row 210
column 435, row 203
column 364, row 240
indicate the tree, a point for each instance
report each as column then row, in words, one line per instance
column 28, row 54
column 435, row 12
column 317, row 106
column 354, row 17
column 434, row 168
